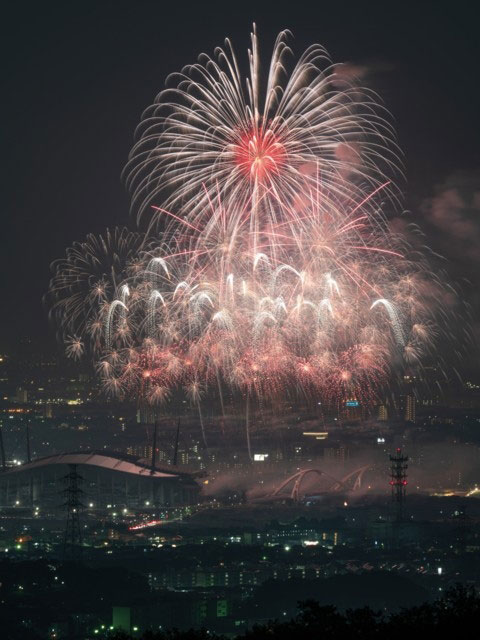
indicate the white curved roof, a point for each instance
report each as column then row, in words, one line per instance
column 95, row 460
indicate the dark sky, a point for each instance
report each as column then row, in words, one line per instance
column 77, row 75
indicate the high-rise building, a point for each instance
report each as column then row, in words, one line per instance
column 407, row 406
column 382, row 413
column 145, row 415
column 409, row 414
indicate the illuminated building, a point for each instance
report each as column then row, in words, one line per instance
column 382, row 413
column 409, row 408
column 108, row 480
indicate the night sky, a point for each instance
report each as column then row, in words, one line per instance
column 77, row 76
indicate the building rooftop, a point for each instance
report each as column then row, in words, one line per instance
column 96, row 460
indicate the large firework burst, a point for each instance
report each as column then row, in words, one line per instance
column 277, row 270
column 259, row 144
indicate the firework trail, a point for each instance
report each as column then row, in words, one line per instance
column 260, row 145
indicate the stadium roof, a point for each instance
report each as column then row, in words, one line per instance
column 96, row 460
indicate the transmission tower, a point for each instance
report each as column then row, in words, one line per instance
column 398, row 482
column 72, row 543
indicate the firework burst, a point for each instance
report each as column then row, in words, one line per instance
column 85, row 280
column 260, row 145
column 276, row 270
